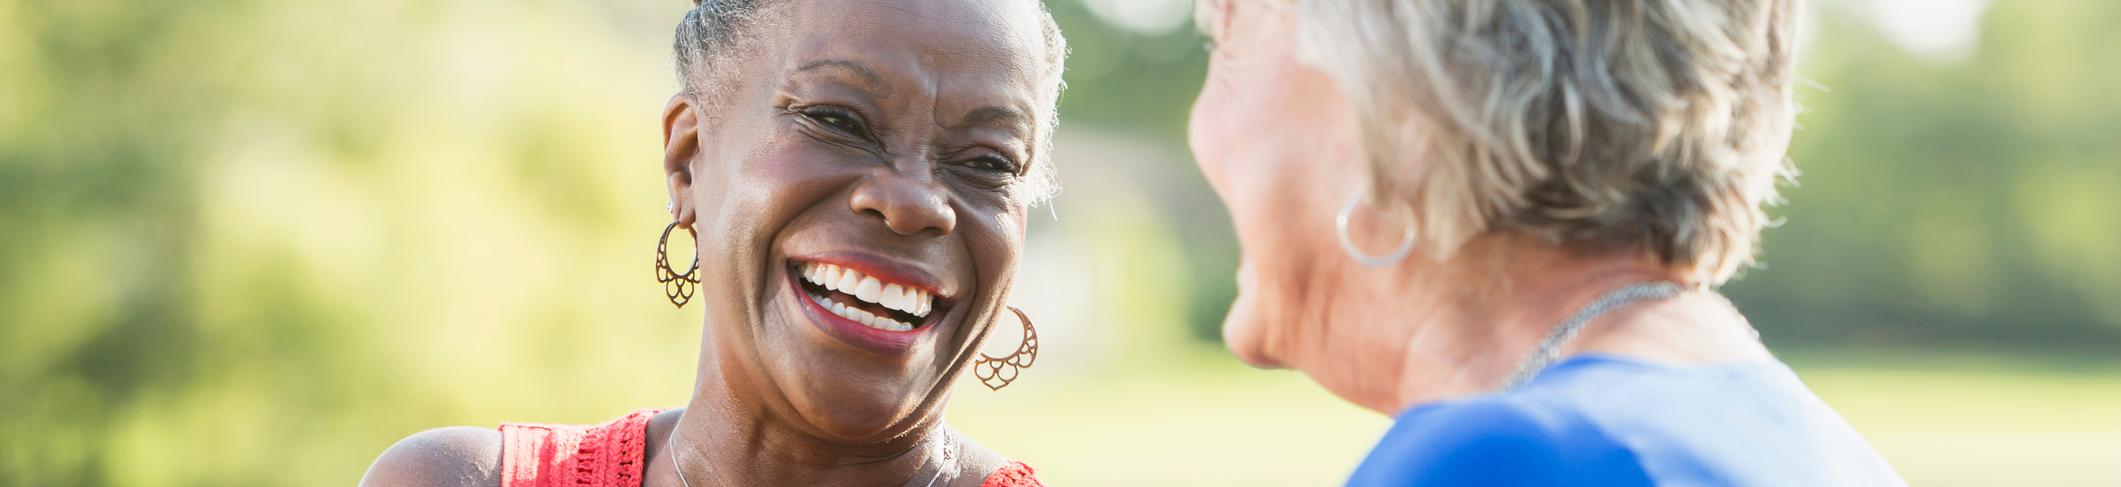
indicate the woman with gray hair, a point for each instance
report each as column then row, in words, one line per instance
column 853, row 177
column 1503, row 221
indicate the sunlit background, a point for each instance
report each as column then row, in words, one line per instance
column 251, row 242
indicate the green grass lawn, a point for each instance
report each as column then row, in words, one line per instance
column 1973, row 419
column 1942, row 420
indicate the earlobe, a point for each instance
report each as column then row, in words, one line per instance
column 681, row 145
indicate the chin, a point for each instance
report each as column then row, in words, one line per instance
column 856, row 362
column 1244, row 333
column 860, row 421
column 1245, row 328
column 1248, row 351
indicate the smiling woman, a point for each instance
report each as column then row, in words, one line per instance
column 856, row 175
column 1503, row 222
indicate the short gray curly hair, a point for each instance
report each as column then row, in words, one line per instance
column 1653, row 124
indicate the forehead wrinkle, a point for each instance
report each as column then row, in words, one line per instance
column 989, row 19
column 991, row 108
column 938, row 76
column 996, row 116
column 1016, row 61
column 869, row 78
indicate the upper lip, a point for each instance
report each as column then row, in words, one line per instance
column 898, row 271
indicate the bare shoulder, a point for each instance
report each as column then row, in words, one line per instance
column 977, row 461
column 454, row 456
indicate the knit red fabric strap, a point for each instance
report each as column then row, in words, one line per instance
column 1015, row 474
column 550, row 455
column 610, row 455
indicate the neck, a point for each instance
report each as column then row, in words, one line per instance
column 1473, row 318
column 729, row 436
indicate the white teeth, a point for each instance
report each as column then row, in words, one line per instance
column 827, row 275
column 894, row 297
column 869, row 289
column 909, row 300
column 863, row 317
column 847, row 281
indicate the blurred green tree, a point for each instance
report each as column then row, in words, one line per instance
column 220, row 218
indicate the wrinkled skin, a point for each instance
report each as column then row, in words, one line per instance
column 890, row 137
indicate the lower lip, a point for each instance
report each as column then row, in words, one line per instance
column 852, row 332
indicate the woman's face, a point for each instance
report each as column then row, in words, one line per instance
column 1278, row 142
column 858, row 190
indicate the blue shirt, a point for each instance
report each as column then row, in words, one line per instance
column 1611, row 421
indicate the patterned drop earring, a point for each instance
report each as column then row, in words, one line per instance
column 998, row 372
column 677, row 287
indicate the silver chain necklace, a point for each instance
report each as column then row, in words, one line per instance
column 1550, row 347
column 948, row 459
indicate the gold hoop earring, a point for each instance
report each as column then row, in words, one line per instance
column 677, row 287
column 998, row 372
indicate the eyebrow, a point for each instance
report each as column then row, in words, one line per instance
column 994, row 115
column 868, row 76
column 986, row 115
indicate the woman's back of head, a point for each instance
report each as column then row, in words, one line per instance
column 1652, row 126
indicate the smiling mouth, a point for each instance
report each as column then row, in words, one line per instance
column 861, row 298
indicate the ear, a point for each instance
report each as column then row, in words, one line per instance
column 681, row 145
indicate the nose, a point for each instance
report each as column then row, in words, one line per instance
column 908, row 205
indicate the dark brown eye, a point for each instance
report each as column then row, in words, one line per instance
column 839, row 120
column 993, row 163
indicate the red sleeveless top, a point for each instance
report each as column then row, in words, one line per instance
column 610, row 455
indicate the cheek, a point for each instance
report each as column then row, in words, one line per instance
column 1208, row 127
column 1251, row 153
column 762, row 191
column 753, row 194
column 1227, row 143
column 996, row 244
